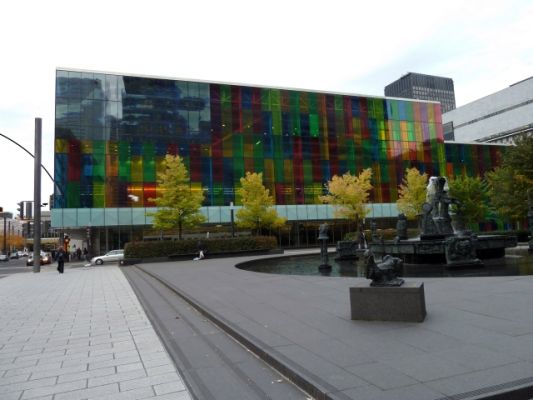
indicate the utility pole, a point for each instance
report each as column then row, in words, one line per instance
column 5, row 236
column 37, row 198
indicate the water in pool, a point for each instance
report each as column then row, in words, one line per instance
column 512, row 264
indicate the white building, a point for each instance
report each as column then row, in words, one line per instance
column 496, row 118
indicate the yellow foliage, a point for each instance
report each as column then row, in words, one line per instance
column 349, row 194
column 412, row 193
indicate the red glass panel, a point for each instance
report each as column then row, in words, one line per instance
column 149, row 193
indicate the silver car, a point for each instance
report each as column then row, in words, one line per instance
column 113, row 255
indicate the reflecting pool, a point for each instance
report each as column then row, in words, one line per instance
column 520, row 263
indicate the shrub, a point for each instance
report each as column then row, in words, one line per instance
column 165, row 248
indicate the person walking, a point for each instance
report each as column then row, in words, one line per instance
column 60, row 260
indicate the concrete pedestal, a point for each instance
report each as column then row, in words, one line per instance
column 404, row 303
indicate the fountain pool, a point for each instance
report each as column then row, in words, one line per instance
column 517, row 263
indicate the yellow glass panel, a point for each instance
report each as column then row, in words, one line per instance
column 61, row 146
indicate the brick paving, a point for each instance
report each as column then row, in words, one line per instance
column 80, row 335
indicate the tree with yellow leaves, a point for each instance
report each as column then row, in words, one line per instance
column 412, row 193
column 256, row 211
column 179, row 206
column 349, row 194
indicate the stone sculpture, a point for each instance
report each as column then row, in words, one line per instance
column 384, row 273
column 401, row 227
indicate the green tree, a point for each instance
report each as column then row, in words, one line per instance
column 412, row 193
column 257, row 211
column 510, row 182
column 349, row 194
column 508, row 193
column 179, row 205
column 472, row 195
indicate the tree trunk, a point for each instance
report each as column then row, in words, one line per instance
column 179, row 229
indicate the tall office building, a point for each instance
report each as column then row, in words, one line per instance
column 424, row 87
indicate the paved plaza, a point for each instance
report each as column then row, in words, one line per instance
column 476, row 341
column 80, row 335
column 84, row 335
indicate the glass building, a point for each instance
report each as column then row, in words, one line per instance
column 424, row 87
column 112, row 133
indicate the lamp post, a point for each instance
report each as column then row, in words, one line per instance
column 530, row 217
column 232, row 210
column 37, row 198
column 323, row 238
column 5, row 236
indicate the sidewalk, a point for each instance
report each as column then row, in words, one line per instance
column 80, row 335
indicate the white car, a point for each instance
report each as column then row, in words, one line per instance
column 113, row 255
column 4, row 257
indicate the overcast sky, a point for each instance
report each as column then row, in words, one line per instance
column 343, row 46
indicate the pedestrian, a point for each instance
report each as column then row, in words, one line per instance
column 60, row 260
column 78, row 253
column 201, row 250
column 86, row 254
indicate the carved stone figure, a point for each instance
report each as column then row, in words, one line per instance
column 323, row 231
column 401, row 227
column 460, row 250
column 384, row 273
column 374, row 231
column 362, row 238
column 436, row 218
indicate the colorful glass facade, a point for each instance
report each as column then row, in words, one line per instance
column 472, row 159
column 113, row 132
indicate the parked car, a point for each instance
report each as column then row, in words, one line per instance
column 113, row 255
column 46, row 258
column 4, row 257
column 14, row 255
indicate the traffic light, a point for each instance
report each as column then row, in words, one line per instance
column 20, row 209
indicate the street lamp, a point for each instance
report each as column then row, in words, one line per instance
column 232, row 210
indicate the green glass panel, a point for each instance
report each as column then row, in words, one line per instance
column 99, row 167
column 258, row 146
column 124, row 163
column 295, row 124
column 238, row 147
column 99, row 147
column 278, row 146
column 279, row 170
column 259, row 164
column 313, row 102
column 225, row 94
column 149, row 162
column 73, row 194
column 276, row 122
column 295, row 102
column 395, row 110
column 275, row 98
column 432, row 132
column 349, row 146
column 238, row 168
column 265, row 100
column 339, row 104
column 339, row 123
column 98, row 195
column 313, row 125
column 409, row 111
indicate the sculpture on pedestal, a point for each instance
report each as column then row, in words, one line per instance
column 384, row 273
